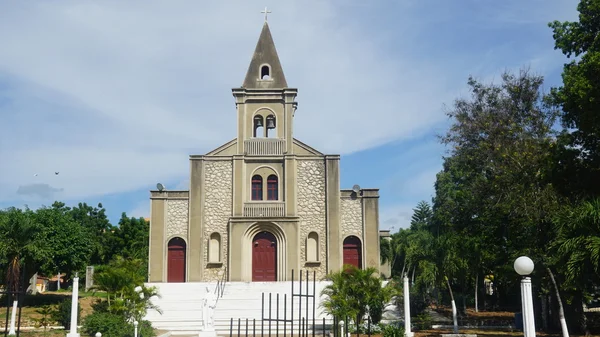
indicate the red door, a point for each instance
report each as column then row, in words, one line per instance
column 176, row 260
column 352, row 252
column 264, row 257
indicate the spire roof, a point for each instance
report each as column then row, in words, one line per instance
column 265, row 61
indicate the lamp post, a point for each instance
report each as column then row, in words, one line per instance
column 135, row 328
column 524, row 266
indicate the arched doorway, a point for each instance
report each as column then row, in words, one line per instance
column 264, row 257
column 176, row 260
column 353, row 252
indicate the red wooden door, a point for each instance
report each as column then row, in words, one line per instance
column 353, row 252
column 264, row 257
column 176, row 260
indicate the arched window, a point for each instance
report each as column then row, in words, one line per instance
column 272, row 187
column 265, row 72
column 257, row 188
column 214, row 248
column 312, row 247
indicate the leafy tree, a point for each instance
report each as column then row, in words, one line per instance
column 95, row 221
column 69, row 244
column 579, row 97
column 130, row 238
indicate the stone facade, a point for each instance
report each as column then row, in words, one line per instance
column 217, row 210
column 177, row 218
column 311, row 208
column 224, row 198
column 352, row 217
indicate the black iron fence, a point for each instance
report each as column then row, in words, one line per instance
column 301, row 320
column 325, row 327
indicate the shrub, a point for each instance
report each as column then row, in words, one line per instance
column 423, row 321
column 100, row 306
column 113, row 325
column 110, row 325
column 62, row 313
column 393, row 330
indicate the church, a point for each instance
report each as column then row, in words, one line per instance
column 264, row 203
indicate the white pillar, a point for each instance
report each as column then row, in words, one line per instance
column 74, row 303
column 527, row 307
column 135, row 327
column 406, row 289
column 13, row 318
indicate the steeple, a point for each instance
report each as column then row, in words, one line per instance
column 265, row 70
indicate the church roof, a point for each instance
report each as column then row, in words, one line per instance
column 265, row 54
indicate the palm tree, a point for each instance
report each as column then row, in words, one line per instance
column 354, row 293
column 18, row 246
column 577, row 247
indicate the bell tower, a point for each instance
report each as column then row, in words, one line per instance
column 265, row 105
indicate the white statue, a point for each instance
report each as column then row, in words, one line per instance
column 208, row 310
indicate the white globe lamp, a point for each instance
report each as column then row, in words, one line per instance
column 523, row 266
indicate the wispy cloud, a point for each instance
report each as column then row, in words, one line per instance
column 116, row 94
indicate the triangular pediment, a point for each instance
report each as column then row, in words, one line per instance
column 302, row 149
column 227, row 149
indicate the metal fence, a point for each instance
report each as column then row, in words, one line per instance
column 301, row 321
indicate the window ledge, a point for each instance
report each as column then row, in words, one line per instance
column 214, row 264
column 312, row 263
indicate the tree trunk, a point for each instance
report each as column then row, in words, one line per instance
column 561, row 312
column 403, row 267
column 476, row 292
column 454, row 316
column 544, row 305
column 412, row 283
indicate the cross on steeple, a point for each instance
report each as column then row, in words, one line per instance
column 266, row 12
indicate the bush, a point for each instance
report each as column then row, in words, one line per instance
column 62, row 313
column 112, row 325
column 100, row 306
column 423, row 321
column 393, row 330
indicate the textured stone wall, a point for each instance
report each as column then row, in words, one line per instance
column 177, row 218
column 352, row 217
column 311, row 208
column 218, row 208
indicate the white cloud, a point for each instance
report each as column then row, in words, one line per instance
column 116, row 94
column 395, row 217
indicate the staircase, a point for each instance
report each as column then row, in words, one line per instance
column 181, row 304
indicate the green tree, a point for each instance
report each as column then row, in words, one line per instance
column 495, row 194
column 95, row 221
column 421, row 217
column 130, row 238
column 579, row 98
column 68, row 243
column 577, row 249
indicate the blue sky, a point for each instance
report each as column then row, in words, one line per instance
column 115, row 95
